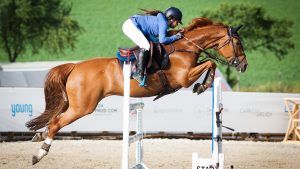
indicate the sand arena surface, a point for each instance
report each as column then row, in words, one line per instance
column 158, row 154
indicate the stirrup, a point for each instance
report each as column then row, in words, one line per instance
column 143, row 82
column 137, row 77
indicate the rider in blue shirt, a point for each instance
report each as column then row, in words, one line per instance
column 141, row 28
column 154, row 25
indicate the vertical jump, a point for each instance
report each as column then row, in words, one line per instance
column 127, row 140
column 217, row 159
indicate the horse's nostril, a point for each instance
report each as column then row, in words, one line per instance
column 245, row 66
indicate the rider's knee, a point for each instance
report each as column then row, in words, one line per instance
column 145, row 46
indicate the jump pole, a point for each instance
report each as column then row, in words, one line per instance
column 127, row 140
column 217, row 159
column 125, row 144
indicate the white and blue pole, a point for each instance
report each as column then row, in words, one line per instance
column 126, row 109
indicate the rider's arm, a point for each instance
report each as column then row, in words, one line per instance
column 163, row 27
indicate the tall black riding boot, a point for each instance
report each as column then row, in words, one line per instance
column 141, row 65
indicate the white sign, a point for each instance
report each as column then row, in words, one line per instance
column 180, row 112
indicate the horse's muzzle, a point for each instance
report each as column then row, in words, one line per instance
column 245, row 67
column 242, row 67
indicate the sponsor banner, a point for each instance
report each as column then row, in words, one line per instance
column 182, row 111
column 18, row 105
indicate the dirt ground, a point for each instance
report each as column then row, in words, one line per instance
column 158, row 154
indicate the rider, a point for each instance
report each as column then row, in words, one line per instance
column 141, row 29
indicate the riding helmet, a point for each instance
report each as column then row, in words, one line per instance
column 175, row 13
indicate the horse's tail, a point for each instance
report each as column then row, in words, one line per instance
column 55, row 96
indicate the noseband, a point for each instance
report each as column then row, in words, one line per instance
column 234, row 62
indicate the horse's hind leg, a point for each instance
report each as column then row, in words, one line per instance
column 55, row 125
column 77, row 109
column 84, row 90
column 40, row 136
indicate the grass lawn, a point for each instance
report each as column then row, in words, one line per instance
column 102, row 22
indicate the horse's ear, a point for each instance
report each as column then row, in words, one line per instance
column 235, row 30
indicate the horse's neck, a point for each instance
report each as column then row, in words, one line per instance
column 202, row 38
column 206, row 37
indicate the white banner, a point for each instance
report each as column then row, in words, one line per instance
column 179, row 112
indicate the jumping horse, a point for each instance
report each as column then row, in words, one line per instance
column 73, row 90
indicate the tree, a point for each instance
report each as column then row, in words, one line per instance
column 36, row 24
column 260, row 32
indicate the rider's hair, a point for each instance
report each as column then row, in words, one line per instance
column 153, row 12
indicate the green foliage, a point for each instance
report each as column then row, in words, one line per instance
column 36, row 24
column 275, row 87
column 260, row 31
column 230, row 79
column 102, row 21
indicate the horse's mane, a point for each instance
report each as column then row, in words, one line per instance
column 197, row 23
column 200, row 22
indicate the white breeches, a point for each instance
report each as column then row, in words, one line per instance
column 135, row 34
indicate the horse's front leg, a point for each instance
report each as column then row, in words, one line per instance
column 197, row 71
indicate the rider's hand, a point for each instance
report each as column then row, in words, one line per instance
column 179, row 35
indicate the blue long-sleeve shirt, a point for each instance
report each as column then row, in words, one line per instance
column 154, row 26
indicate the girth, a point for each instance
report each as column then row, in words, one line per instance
column 167, row 89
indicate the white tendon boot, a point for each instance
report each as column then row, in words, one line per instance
column 43, row 151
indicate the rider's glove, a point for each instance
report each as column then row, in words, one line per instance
column 179, row 35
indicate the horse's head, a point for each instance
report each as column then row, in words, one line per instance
column 203, row 34
column 231, row 48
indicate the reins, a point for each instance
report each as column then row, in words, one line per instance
column 234, row 62
column 208, row 55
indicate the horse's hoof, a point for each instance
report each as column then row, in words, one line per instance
column 196, row 87
column 201, row 88
column 34, row 160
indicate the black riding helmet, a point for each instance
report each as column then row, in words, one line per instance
column 175, row 13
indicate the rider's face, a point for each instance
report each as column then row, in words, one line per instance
column 173, row 23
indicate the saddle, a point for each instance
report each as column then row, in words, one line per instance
column 158, row 60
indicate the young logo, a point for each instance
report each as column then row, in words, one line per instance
column 21, row 108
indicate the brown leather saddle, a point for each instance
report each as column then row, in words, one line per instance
column 158, row 60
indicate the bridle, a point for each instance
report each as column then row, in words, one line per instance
column 234, row 62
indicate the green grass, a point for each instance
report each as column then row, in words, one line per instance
column 102, row 22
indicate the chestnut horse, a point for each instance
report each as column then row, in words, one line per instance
column 74, row 90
